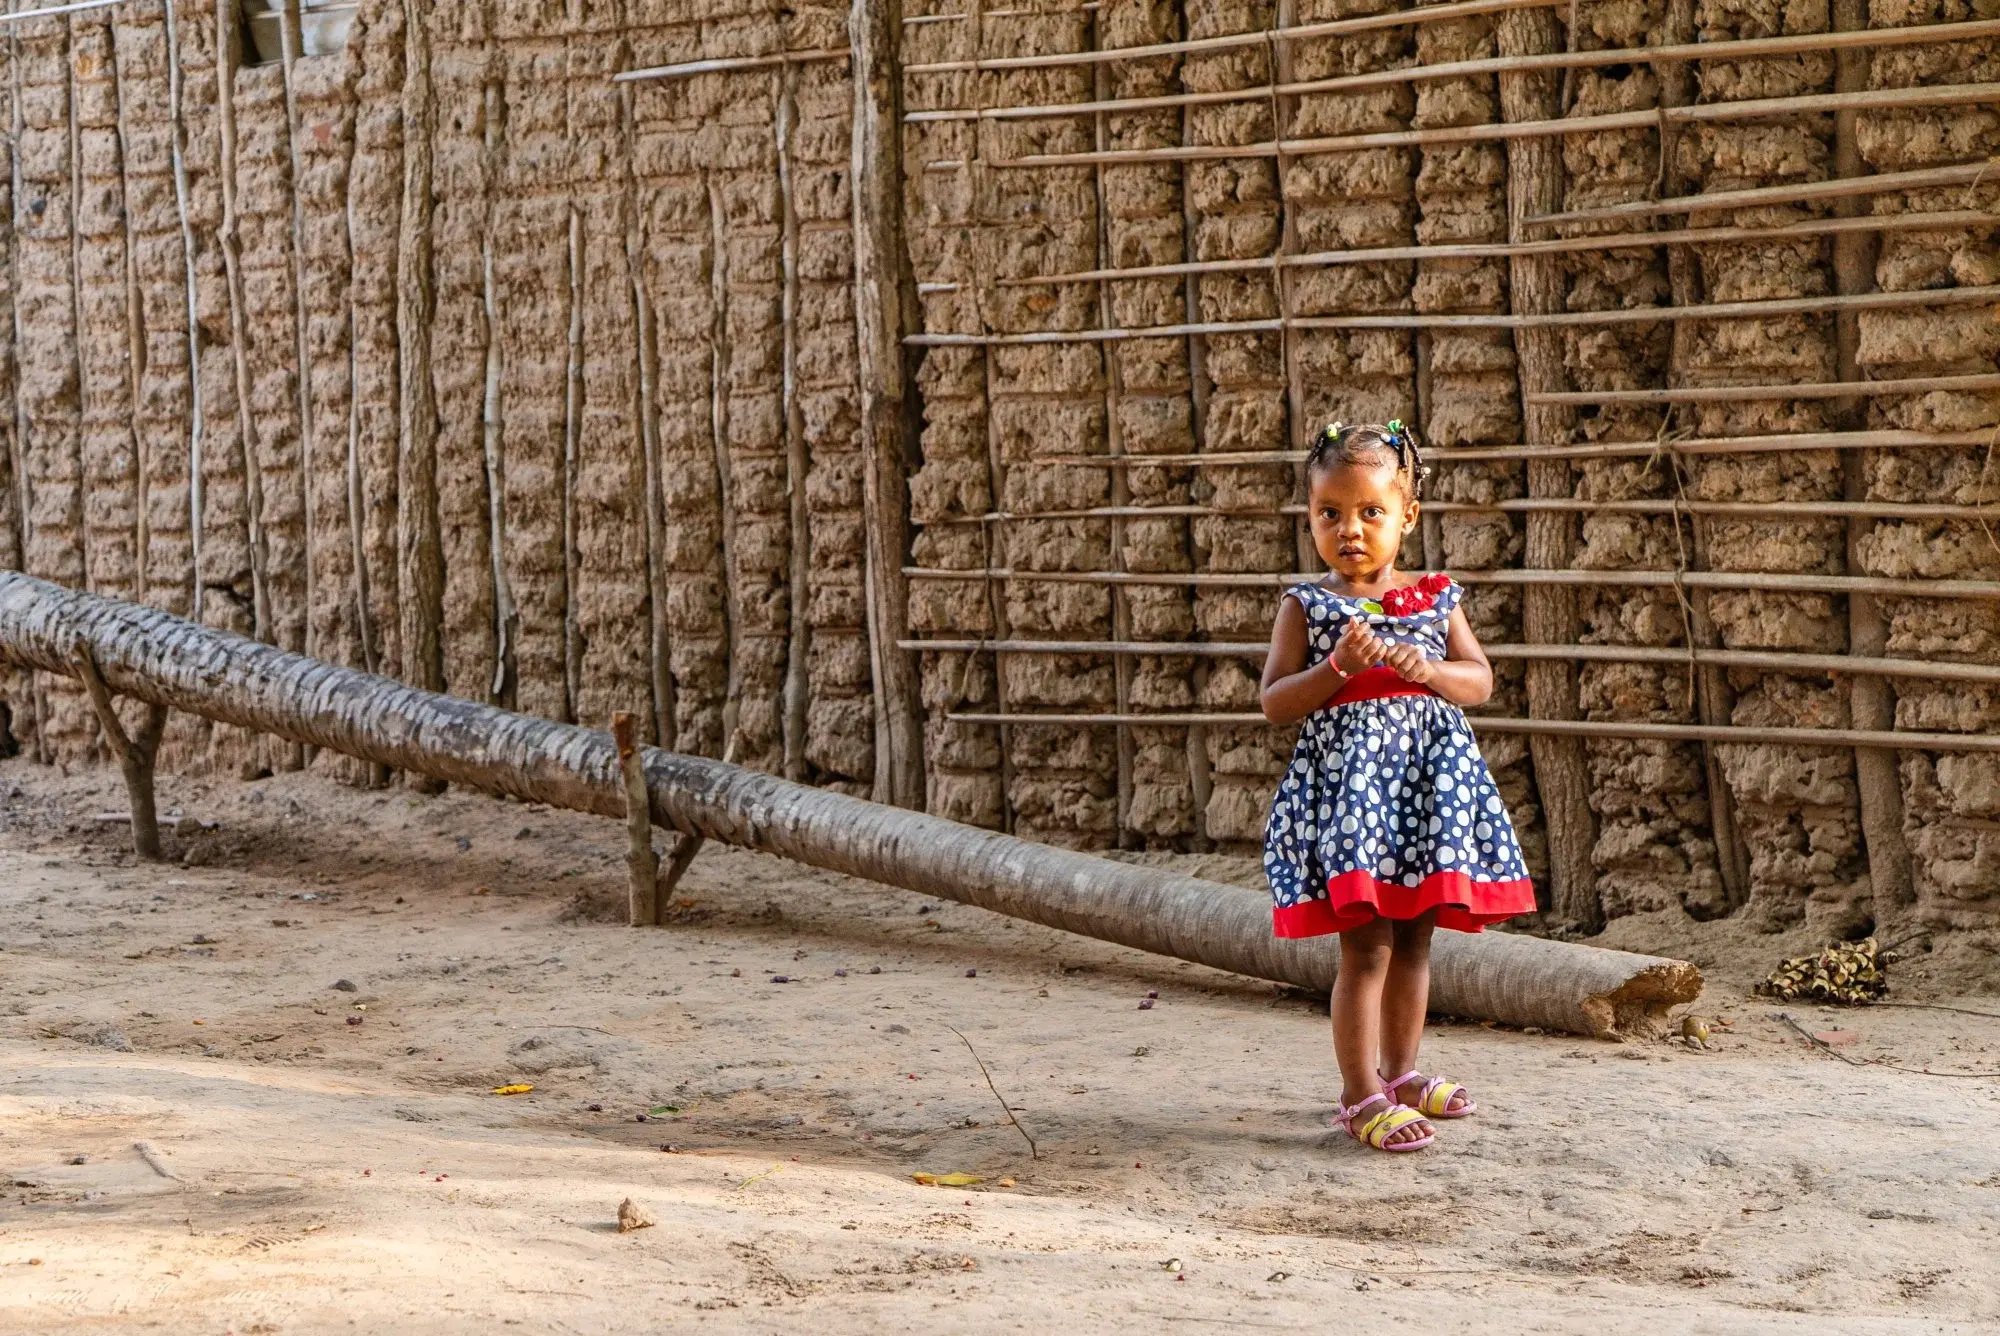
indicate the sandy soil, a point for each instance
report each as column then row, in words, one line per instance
column 309, row 1174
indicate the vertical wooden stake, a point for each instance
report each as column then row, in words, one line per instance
column 642, row 867
column 135, row 755
column 1871, row 700
column 885, row 308
column 1549, row 616
column 1714, row 701
column 685, row 848
column 420, row 537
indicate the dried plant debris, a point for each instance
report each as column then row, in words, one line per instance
column 1850, row 973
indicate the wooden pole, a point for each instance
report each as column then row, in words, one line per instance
column 1556, row 318
column 1871, row 702
column 1559, row 61
column 885, row 310
column 1892, row 587
column 729, row 64
column 1767, row 108
column 1715, row 445
column 1939, row 220
column 642, row 866
column 1811, row 389
column 1738, row 734
column 1549, row 615
column 1714, row 700
column 165, row 660
column 421, row 538
column 135, row 754
column 1781, row 661
column 1792, row 192
column 1888, row 510
column 1330, row 28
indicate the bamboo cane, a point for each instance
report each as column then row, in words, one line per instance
column 1737, row 49
column 1503, row 250
column 1228, row 41
column 1796, row 192
column 1816, row 389
column 729, row 65
column 1677, row 656
column 164, row 660
column 1741, row 734
column 1946, row 95
column 1630, row 315
column 1763, row 581
column 1885, row 510
column 1710, row 445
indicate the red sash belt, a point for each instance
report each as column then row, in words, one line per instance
column 1375, row 683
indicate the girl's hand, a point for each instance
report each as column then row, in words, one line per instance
column 1410, row 663
column 1358, row 649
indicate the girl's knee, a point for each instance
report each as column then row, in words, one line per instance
column 1413, row 936
column 1367, row 947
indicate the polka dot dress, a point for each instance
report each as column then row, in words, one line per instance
column 1388, row 808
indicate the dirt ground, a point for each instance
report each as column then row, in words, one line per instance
column 252, row 1092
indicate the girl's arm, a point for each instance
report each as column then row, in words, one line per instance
column 1291, row 691
column 1463, row 676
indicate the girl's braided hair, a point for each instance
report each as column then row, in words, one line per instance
column 1338, row 443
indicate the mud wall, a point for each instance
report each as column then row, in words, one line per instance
column 1112, row 282
column 447, row 357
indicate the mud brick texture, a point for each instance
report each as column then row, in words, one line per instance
column 446, row 356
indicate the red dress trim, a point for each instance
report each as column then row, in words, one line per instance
column 1375, row 683
column 1355, row 898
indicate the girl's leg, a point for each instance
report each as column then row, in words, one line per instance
column 1406, row 994
column 1365, row 954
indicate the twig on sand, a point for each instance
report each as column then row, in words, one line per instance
column 1034, row 1153
column 758, row 1178
column 1825, row 1047
column 592, row 1028
column 1938, row 1006
column 153, row 1160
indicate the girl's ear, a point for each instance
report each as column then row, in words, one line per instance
column 1410, row 515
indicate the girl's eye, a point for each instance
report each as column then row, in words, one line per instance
column 1373, row 513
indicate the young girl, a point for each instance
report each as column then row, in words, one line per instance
column 1388, row 823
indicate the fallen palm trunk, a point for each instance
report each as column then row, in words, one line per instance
column 164, row 660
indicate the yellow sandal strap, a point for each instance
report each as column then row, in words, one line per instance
column 1437, row 1097
column 1379, row 1128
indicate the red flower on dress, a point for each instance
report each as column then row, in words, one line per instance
column 1408, row 600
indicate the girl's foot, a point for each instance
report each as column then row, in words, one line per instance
column 1377, row 1120
column 1432, row 1096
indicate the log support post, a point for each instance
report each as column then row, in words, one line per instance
column 642, row 866
column 686, row 846
column 135, row 754
column 649, row 885
column 1549, row 615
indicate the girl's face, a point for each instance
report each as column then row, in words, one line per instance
column 1360, row 515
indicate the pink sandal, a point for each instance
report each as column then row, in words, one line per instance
column 1434, row 1098
column 1377, row 1128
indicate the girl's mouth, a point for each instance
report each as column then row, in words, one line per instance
column 1353, row 550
